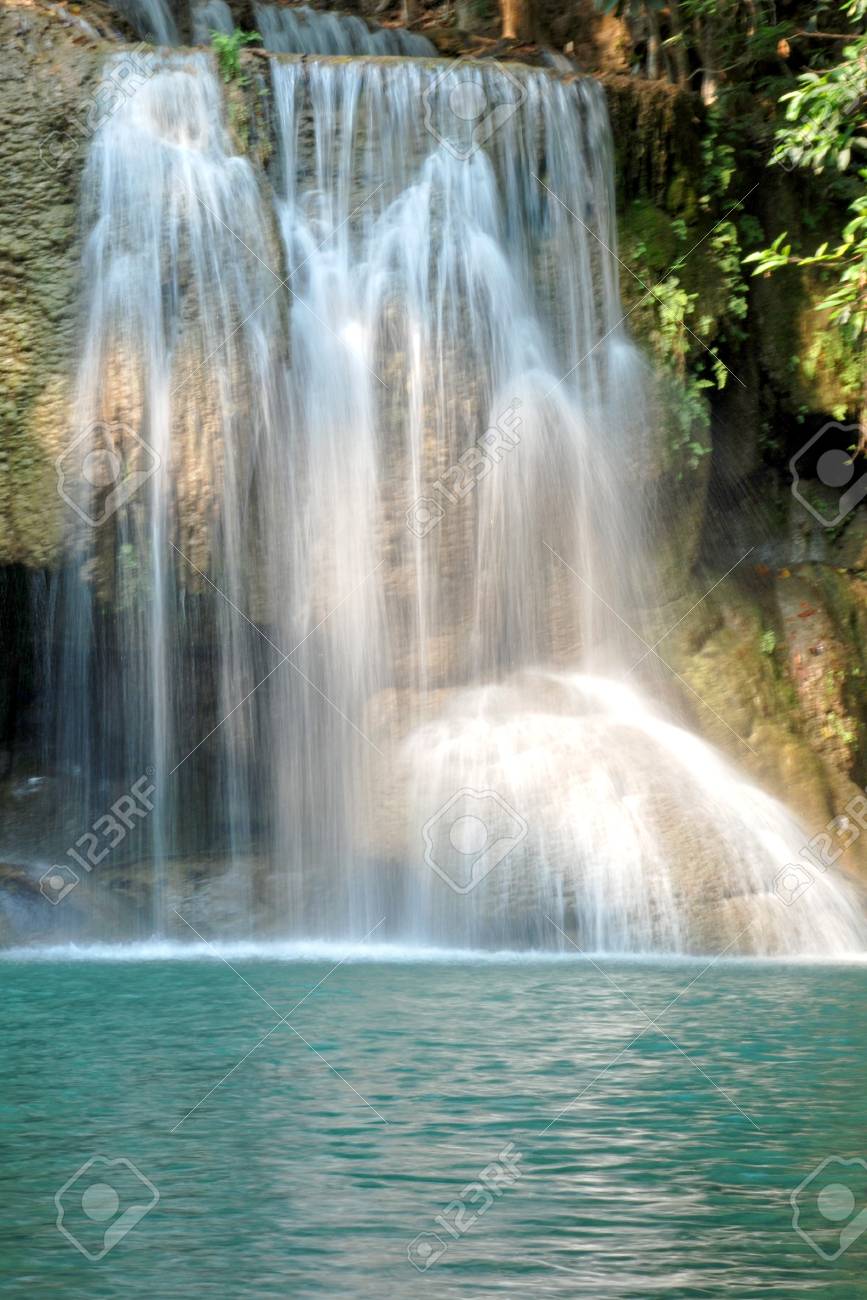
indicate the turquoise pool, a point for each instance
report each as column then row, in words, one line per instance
column 433, row 1128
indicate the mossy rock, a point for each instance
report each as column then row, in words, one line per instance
column 656, row 134
column 647, row 233
column 809, row 364
column 681, row 197
column 738, row 695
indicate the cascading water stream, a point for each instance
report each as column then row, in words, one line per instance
column 387, row 516
column 153, row 20
column 209, row 16
column 291, row 30
column 178, row 372
column 301, row 30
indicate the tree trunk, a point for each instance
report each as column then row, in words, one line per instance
column 678, row 49
column 519, row 20
column 654, row 44
column 706, row 42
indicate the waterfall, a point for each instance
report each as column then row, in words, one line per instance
column 295, row 30
column 362, row 533
column 302, row 30
column 153, row 20
column 179, row 371
column 211, row 16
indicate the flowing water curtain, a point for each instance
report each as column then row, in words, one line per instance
column 178, row 375
column 471, row 294
column 436, row 294
column 439, row 281
column 153, row 20
column 302, row 30
column 209, row 16
column 468, row 290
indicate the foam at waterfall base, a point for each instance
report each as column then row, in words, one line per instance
column 350, row 951
column 626, row 831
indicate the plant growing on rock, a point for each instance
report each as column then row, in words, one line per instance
column 768, row 642
column 228, row 49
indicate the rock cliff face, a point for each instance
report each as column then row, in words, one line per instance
column 49, row 69
column 761, row 609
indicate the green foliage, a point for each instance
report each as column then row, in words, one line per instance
column 823, row 121
column 691, row 424
column 784, row 85
column 700, row 302
column 228, row 50
column 663, row 326
column 825, row 127
column 719, row 155
column 768, row 642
